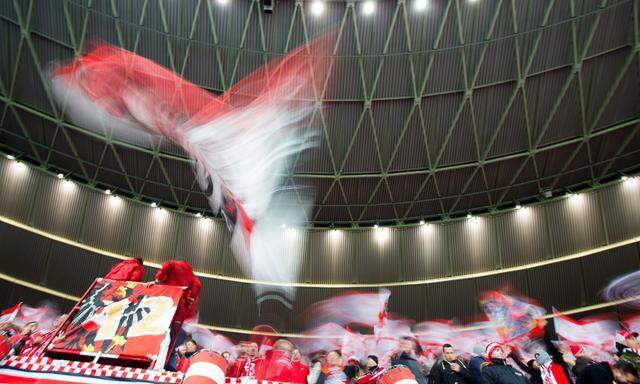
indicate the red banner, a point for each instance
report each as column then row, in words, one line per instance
column 122, row 318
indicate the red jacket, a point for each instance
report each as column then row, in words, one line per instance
column 179, row 273
column 275, row 366
column 127, row 270
column 238, row 367
column 299, row 372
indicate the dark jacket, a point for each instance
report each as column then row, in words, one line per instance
column 597, row 373
column 499, row 372
column 535, row 377
column 550, row 335
column 581, row 363
column 411, row 363
column 475, row 365
column 441, row 373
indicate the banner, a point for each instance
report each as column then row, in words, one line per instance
column 122, row 318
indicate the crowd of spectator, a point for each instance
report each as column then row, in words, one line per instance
column 492, row 363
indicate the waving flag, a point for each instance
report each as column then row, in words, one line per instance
column 242, row 142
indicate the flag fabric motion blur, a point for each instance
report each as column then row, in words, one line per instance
column 512, row 316
column 594, row 333
column 625, row 287
column 242, row 142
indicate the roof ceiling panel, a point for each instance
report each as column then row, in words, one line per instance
column 422, row 109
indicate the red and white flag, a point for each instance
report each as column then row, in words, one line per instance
column 9, row 315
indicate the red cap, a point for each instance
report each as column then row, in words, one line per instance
column 491, row 348
column 576, row 349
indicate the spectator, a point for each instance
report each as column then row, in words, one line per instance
column 550, row 370
column 560, row 366
column 179, row 273
column 334, row 371
column 628, row 348
column 582, row 359
column 127, row 270
column 277, row 363
column 497, row 371
column 227, row 356
column 451, row 370
column 408, row 347
column 244, row 366
column 621, row 372
column 373, row 371
column 185, row 352
column 299, row 370
column 316, row 375
column 475, row 363
column 26, row 339
column 531, row 368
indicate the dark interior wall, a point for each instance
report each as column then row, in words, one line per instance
column 515, row 238
column 564, row 285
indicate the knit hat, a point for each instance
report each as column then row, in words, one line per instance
column 478, row 349
column 623, row 335
column 491, row 348
column 374, row 358
column 542, row 357
column 576, row 349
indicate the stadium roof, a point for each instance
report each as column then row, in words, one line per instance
column 454, row 107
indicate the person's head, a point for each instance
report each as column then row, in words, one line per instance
column 251, row 350
column 353, row 360
column 577, row 350
column 628, row 339
column 334, row 358
column 296, row 355
column 633, row 341
column 494, row 351
column 448, row 353
column 30, row 327
column 59, row 321
column 542, row 357
column 191, row 346
column 351, row 371
column 407, row 345
column 478, row 350
column 624, row 373
column 226, row 355
column 283, row 345
column 533, row 364
column 372, row 361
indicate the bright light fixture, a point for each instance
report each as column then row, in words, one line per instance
column 624, row 177
column 11, row 157
column 60, row 176
column 469, row 216
column 420, row 5
column 382, row 234
column 317, row 7
column 107, row 191
column 422, row 222
column 368, row 7
column 518, row 206
column 223, row 2
column 154, row 204
column 198, row 214
column 376, row 226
